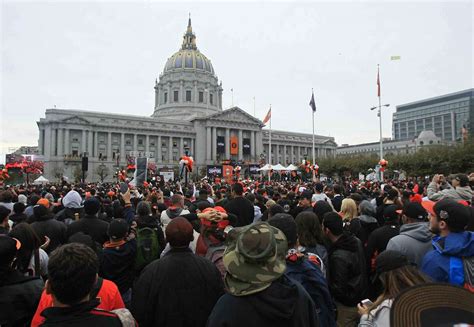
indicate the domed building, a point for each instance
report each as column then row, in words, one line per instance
column 188, row 85
column 187, row 118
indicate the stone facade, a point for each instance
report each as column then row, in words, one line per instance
column 187, row 117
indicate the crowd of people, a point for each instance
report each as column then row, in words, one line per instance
column 247, row 253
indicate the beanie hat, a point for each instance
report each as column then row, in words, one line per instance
column 390, row 260
column 91, row 206
column 179, row 232
column 22, row 198
column 287, row 225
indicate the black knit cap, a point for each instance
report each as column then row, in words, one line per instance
column 287, row 225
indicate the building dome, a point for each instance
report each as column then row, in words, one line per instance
column 188, row 57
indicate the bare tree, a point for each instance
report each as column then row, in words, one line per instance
column 103, row 172
column 78, row 174
column 58, row 172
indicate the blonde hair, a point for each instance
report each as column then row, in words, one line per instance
column 348, row 209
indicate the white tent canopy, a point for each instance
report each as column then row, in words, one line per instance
column 278, row 167
column 267, row 167
column 291, row 167
column 40, row 180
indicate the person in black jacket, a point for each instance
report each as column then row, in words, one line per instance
column 18, row 215
column 73, row 273
column 45, row 225
column 19, row 294
column 118, row 258
column 90, row 224
column 258, row 292
column 179, row 289
column 338, row 197
column 240, row 206
column 347, row 277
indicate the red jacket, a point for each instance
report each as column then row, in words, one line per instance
column 109, row 296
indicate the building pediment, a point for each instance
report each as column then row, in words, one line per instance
column 75, row 120
column 233, row 115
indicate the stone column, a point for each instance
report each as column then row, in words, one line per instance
column 241, row 145
column 208, row 143
column 158, row 150
column 194, row 97
column 227, row 143
column 252, row 146
column 292, row 151
column 170, row 152
column 60, row 142
column 109, row 146
column 284, row 156
column 181, row 147
column 83, row 142
column 147, row 144
column 47, row 142
column 135, row 142
column 214, row 144
column 53, row 142
column 191, row 147
column 89, row 144
column 181, row 96
column 67, row 150
column 123, row 156
column 41, row 141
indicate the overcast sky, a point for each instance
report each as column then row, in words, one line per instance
column 105, row 56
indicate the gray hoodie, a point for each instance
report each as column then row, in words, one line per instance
column 414, row 241
column 456, row 194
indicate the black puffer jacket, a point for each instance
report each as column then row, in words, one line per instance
column 19, row 297
column 179, row 289
column 90, row 225
column 347, row 275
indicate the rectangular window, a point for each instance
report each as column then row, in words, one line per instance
column 128, row 142
column 211, row 98
column 201, row 97
column 166, row 97
column 140, row 141
column 188, row 96
column 175, row 96
column 175, row 144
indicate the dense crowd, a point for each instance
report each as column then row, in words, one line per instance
column 248, row 253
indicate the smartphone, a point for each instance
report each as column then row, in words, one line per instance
column 123, row 188
column 367, row 302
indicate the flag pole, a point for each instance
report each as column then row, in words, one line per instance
column 270, row 147
column 314, row 158
column 380, row 119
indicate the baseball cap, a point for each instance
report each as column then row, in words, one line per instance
column 390, row 212
column 428, row 205
column 415, row 210
column 118, row 228
column 254, row 258
column 44, row 202
column 390, row 260
column 455, row 214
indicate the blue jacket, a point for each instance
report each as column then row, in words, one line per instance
column 311, row 278
column 444, row 263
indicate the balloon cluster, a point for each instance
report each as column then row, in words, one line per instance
column 383, row 164
column 187, row 162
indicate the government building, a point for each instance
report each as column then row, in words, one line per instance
column 187, row 118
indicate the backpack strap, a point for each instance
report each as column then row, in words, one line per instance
column 37, row 263
column 97, row 287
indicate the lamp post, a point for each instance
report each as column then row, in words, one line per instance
column 379, row 114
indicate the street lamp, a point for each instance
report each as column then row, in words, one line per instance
column 379, row 114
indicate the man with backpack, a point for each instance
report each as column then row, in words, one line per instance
column 306, row 269
column 452, row 259
column 175, row 210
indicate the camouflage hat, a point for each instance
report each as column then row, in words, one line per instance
column 254, row 257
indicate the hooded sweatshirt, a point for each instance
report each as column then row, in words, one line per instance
column 456, row 194
column 414, row 241
column 444, row 263
column 285, row 303
column 170, row 213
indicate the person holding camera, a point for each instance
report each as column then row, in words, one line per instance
column 439, row 189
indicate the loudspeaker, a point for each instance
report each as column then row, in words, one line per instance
column 85, row 163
